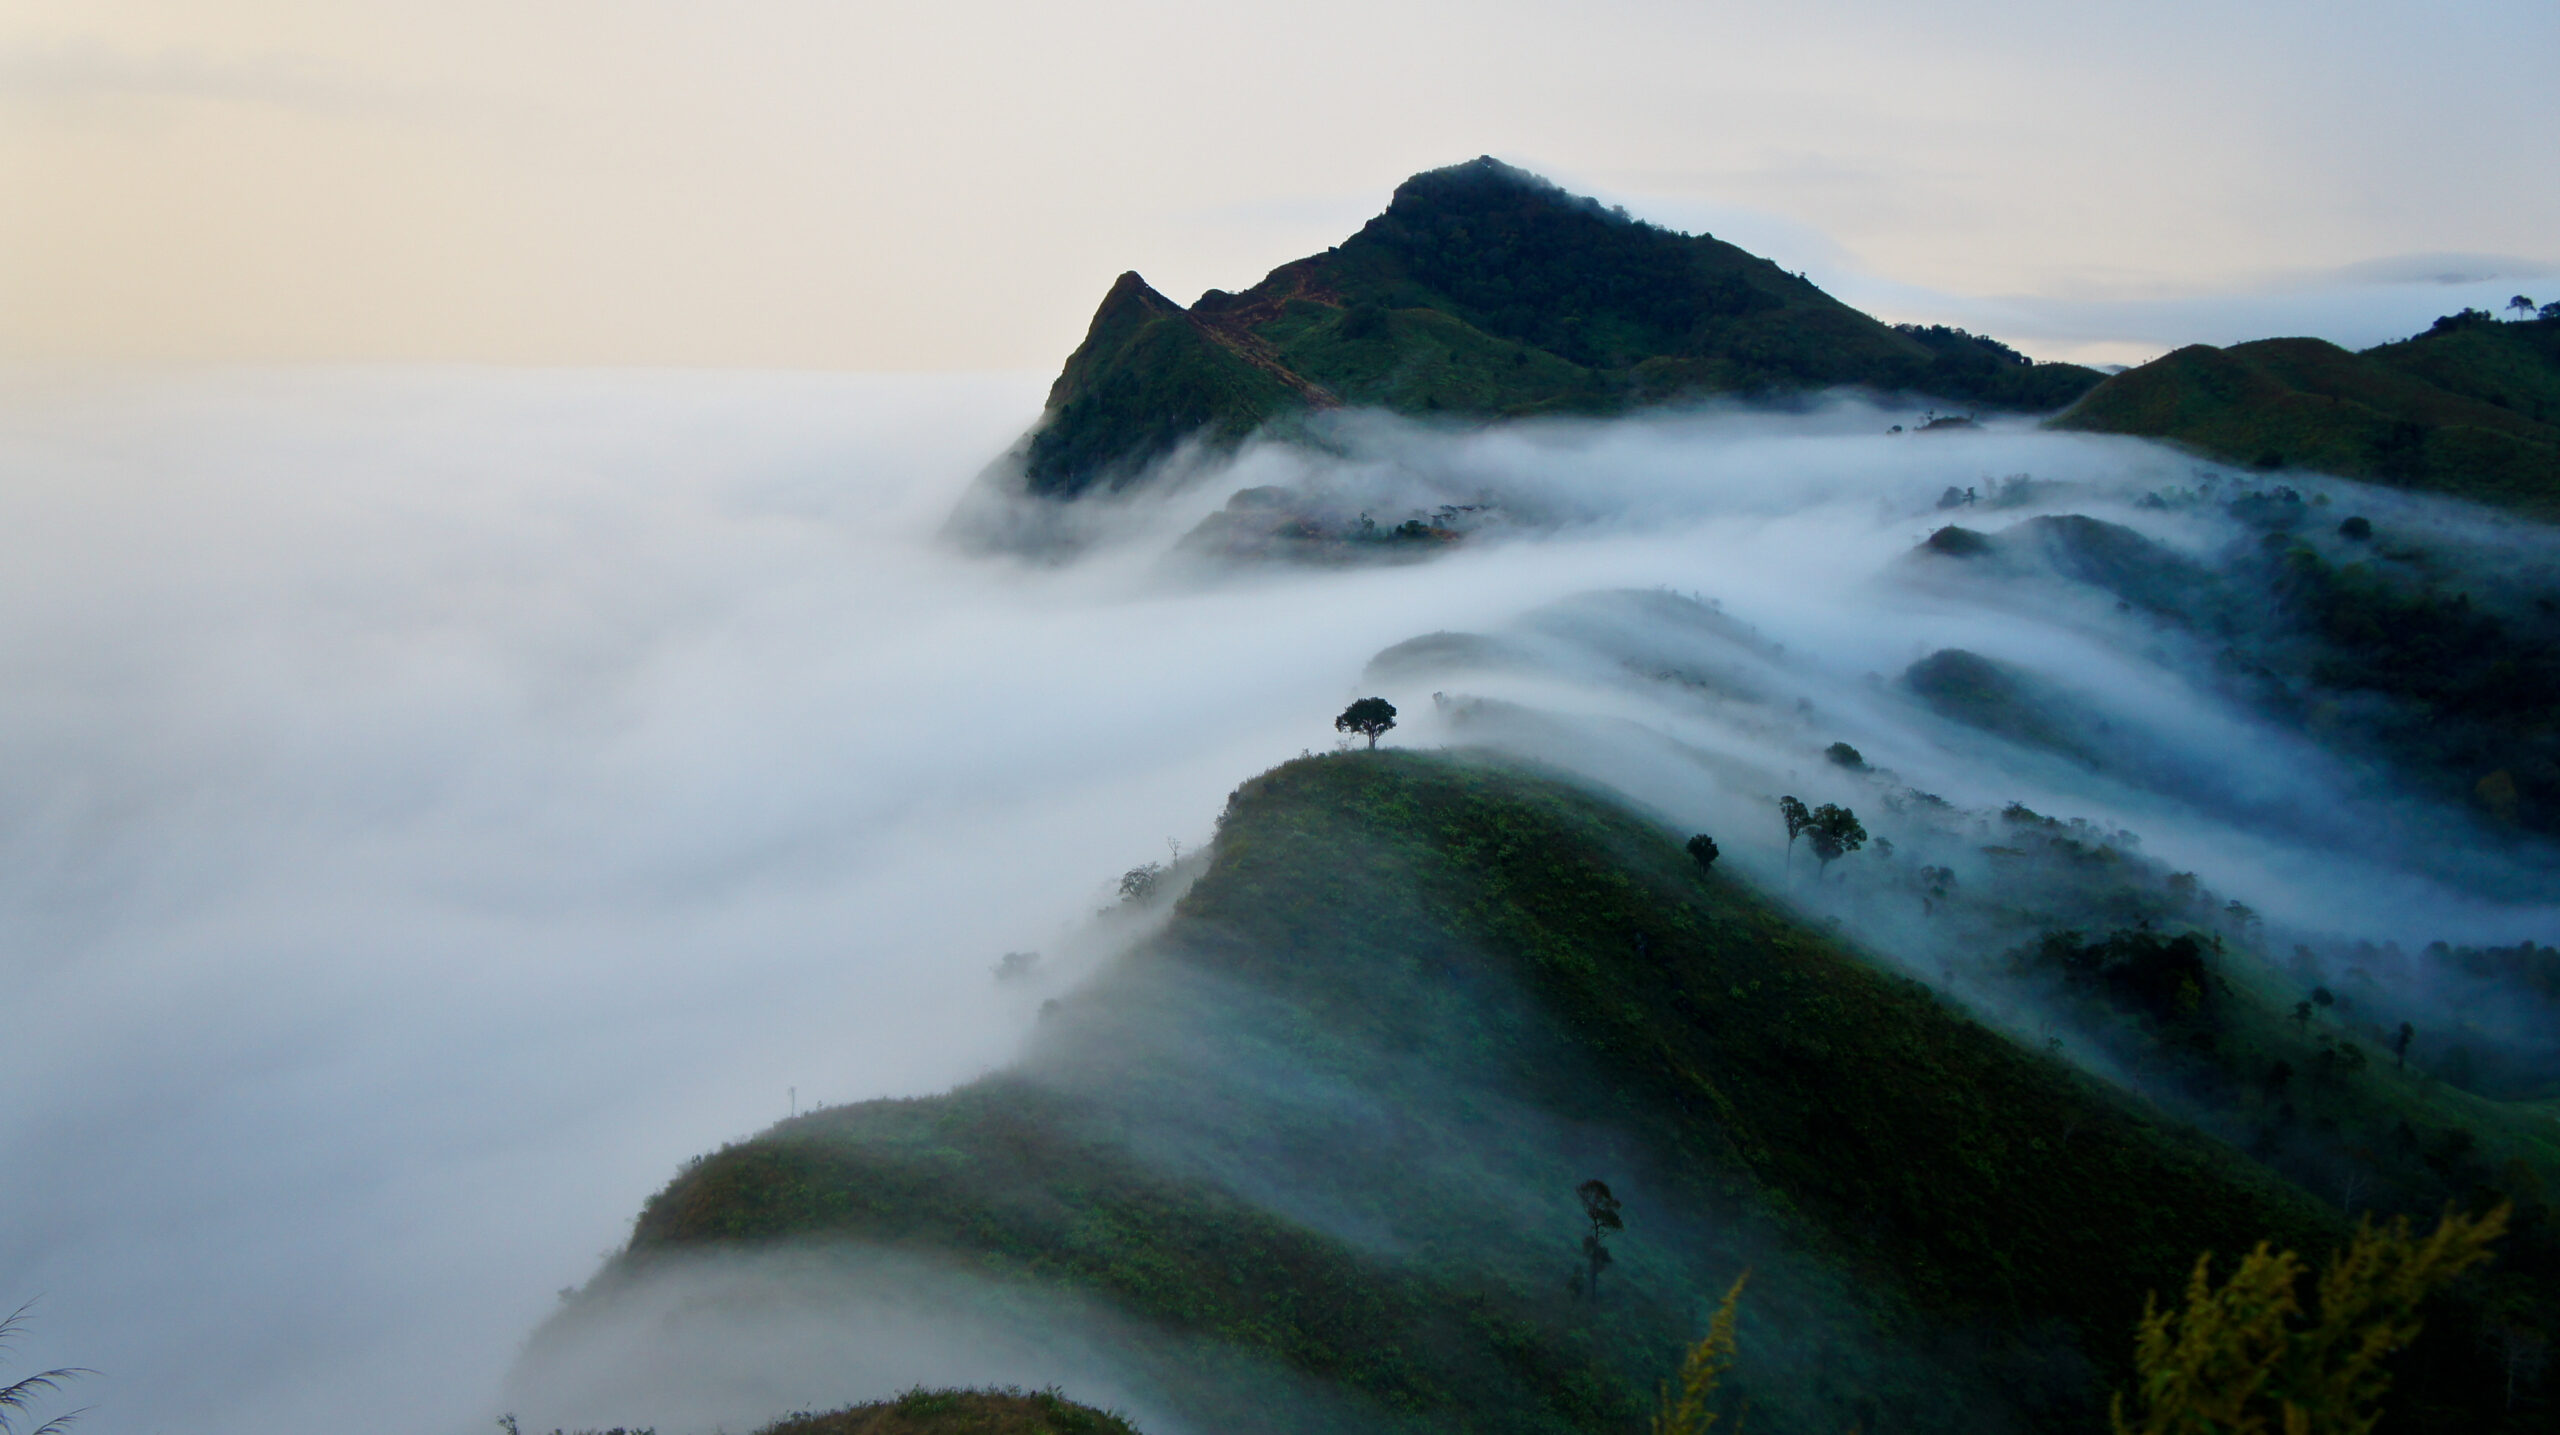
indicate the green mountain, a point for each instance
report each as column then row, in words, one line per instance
column 2471, row 408
column 1486, row 292
column 1334, row 1116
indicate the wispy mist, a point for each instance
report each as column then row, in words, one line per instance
column 439, row 803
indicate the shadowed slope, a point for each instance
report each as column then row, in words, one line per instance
column 1333, row 1117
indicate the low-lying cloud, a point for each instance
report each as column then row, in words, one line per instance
column 439, row 803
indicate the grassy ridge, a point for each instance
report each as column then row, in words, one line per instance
column 2470, row 408
column 999, row 1172
column 1952, row 1165
column 1957, row 1183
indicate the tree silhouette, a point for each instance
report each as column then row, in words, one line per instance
column 1702, row 850
column 1600, row 1208
column 1797, row 819
column 1834, row 832
column 2522, row 306
column 1368, row 717
column 1139, row 883
column 2400, row 1044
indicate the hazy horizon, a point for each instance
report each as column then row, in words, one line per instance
column 495, row 705
column 800, row 186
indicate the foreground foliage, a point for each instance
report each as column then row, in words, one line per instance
column 1692, row 1410
column 2249, row 1356
column 19, row 1398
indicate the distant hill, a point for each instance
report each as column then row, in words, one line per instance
column 1487, row 292
column 960, row 1412
column 2471, row 408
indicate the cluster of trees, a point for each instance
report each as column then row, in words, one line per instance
column 1832, row 831
column 1960, row 348
column 2162, row 978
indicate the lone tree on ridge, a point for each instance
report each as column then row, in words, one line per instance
column 1835, row 832
column 2522, row 306
column 1368, row 717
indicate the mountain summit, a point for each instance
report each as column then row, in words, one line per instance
column 1485, row 291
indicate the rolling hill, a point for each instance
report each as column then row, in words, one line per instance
column 2470, row 408
column 1333, row 1119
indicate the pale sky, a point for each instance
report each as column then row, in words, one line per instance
column 844, row 185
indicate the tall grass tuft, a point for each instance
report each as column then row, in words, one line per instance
column 2248, row 1356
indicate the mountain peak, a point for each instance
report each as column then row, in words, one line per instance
column 1486, row 179
column 1483, row 291
column 1132, row 294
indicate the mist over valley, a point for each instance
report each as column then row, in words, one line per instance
column 448, row 802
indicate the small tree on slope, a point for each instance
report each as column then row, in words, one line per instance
column 1792, row 811
column 1600, row 1208
column 1835, row 832
column 1702, row 850
column 1368, row 717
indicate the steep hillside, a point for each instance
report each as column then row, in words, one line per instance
column 1334, row 1118
column 1486, row 292
column 2470, row 408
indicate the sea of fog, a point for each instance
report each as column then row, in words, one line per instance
column 436, row 803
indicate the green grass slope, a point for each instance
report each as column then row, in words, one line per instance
column 1146, row 378
column 1332, row 1117
column 1486, row 292
column 2470, row 408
